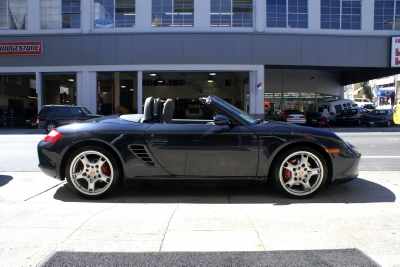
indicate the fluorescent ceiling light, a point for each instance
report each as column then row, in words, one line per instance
column 152, row 74
column 212, row 73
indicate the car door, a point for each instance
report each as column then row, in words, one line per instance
column 204, row 150
column 62, row 115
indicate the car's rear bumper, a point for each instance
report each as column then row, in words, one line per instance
column 48, row 161
column 379, row 123
column 48, row 171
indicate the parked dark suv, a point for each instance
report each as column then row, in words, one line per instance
column 52, row 116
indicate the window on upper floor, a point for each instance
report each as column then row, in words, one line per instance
column 287, row 14
column 13, row 15
column 341, row 14
column 60, row 14
column 114, row 13
column 387, row 15
column 172, row 13
column 231, row 13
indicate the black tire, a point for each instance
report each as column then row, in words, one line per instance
column 358, row 122
column 92, row 172
column 388, row 123
column 306, row 176
column 50, row 125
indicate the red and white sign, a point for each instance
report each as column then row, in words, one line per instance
column 395, row 56
column 21, row 48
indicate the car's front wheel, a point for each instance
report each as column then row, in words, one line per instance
column 299, row 172
column 92, row 172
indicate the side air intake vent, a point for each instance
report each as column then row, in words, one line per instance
column 141, row 152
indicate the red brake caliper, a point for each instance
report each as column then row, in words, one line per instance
column 105, row 169
column 288, row 174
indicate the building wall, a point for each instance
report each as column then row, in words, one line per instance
column 204, row 48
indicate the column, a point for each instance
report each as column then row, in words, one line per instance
column 33, row 15
column 86, row 16
column 117, row 92
column 256, row 92
column 202, row 14
column 39, row 89
column 139, row 92
column 86, row 90
column 259, row 11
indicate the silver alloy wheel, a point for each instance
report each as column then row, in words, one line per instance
column 91, row 173
column 301, row 173
column 389, row 123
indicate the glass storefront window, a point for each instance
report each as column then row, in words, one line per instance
column 13, row 15
column 172, row 13
column 114, row 13
column 341, row 14
column 287, row 14
column 387, row 15
column 231, row 13
column 60, row 14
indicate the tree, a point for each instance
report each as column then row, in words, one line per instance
column 367, row 90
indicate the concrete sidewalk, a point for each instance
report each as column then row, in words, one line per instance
column 40, row 216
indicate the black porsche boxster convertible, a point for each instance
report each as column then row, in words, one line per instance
column 98, row 155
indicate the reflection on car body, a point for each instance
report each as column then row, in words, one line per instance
column 52, row 116
column 97, row 156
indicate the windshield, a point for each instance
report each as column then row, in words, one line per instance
column 293, row 111
column 86, row 111
column 232, row 109
column 349, row 111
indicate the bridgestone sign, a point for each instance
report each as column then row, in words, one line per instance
column 21, row 48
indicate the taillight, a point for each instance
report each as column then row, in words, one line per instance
column 302, row 117
column 351, row 117
column 381, row 119
column 53, row 136
column 290, row 117
column 37, row 118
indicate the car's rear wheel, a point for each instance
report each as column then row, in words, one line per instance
column 50, row 125
column 358, row 122
column 299, row 172
column 92, row 172
column 388, row 123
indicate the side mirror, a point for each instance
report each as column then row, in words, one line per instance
column 221, row 120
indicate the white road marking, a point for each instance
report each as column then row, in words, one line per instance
column 381, row 157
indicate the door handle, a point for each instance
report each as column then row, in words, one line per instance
column 158, row 140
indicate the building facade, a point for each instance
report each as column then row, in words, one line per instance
column 261, row 55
